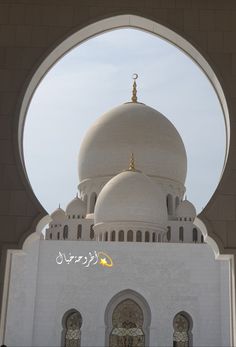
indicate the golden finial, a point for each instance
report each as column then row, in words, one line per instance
column 132, row 163
column 134, row 93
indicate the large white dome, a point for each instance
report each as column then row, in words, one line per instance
column 137, row 128
column 131, row 197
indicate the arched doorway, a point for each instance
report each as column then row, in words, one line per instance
column 127, row 320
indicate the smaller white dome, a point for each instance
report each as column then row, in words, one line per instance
column 186, row 210
column 76, row 207
column 58, row 216
column 131, row 197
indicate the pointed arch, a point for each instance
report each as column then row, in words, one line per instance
column 79, row 232
column 147, row 236
column 121, row 235
column 181, row 234
column 71, row 325
column 195, row 235
column 127, row 303
column 130, row 236
column 65, row 232
column 182, row 324
column 138, row 236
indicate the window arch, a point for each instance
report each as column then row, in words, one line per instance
column 154, row 237
column 195, row 235
column 113, row 235
column 147, row 236
column 168, row 234
column 181, row 234
column 91, row 232
column 79, row 232
column 138, row 236
column 106, row 236
column 65, row 232
column 121, row 235
column 93, row 199
column 71, row 334
column 182, row 336
column 130, row 236
column 58, row 235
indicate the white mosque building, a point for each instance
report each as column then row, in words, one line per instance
column 124, row 264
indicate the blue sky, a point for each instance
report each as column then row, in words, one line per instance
column 95, row 77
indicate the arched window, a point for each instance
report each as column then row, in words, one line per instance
column 195, row 235
column 79, row 232
column 113, row 235
column 93, row 199
column 147, row 236
column 138, row 236
column 127, row 325
column 50, row 235
column 58, row 236
column 182, row 336
column 169, row 204
column 130, row 236
column 65, row 232
column 202, row 239
column 71, row 334
column 181, row 234
column 168, row 234
column 91, row 232
column 121, row 235
column 154, row 237
column 106, row 236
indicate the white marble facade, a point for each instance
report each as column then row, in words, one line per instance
column 135, row 212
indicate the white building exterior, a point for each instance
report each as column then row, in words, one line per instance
column 124, row 265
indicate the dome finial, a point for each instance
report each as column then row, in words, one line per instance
column 134, row 93
column 132, row 163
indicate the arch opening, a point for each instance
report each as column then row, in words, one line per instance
column 118, row 22
column 127, row 320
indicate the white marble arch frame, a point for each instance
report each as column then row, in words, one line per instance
column 117, row 299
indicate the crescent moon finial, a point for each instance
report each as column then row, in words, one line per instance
column 134, row 93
